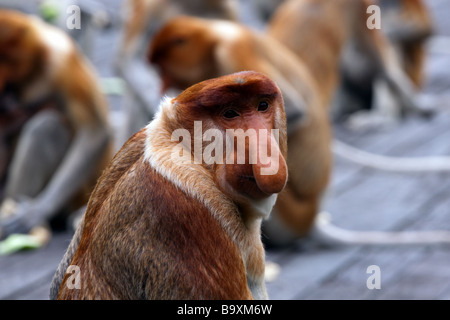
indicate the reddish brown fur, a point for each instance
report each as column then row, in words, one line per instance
column 185, row 238
column 22, row 56
column 200, row 45
column 138, row 243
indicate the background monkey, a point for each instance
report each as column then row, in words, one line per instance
column 62, row 149
column 137, row 243
column 356, row 67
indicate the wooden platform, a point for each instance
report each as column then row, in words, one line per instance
column 358, row 198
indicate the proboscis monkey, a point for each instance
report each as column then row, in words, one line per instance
column 188, row 50
column 142, row 18
column 65, row 143
column 173, row 219
column 347, row 55
column 407, row 24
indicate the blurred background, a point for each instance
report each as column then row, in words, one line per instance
column 358, row 197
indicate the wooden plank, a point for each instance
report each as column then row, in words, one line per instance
column 392, row 142
column 425, row 277
column 410, row 272
column 350, row 282
column 301, row 273
column 38, row 290
column 384, row 192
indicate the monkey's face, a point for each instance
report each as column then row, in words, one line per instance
column 20, row 53
column 247, row 109
column 254, row 166
column 183, row 52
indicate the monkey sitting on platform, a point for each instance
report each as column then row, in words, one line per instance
column 161, row 225
column 65, row 141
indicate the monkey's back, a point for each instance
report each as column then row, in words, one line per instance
column 147, row 239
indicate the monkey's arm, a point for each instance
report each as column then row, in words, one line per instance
column 84, row 153
column 399, row 83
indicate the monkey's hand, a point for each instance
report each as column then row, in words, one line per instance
column 24, row 217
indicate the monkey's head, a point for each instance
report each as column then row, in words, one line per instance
column 243, row 132
column 183, row 51
column 21, row 52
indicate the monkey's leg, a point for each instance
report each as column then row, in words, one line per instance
column 41, row 147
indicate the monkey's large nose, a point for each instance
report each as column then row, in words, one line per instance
column 270, row 170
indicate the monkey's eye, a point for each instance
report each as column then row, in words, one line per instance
column 179, row 41
column 263, row 106
column 230, row 114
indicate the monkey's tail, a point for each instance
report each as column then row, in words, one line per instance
column 67, row 258
column 328, row 233
column 396, row 164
